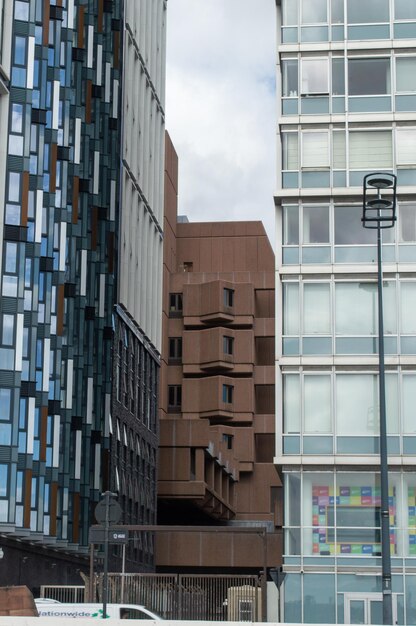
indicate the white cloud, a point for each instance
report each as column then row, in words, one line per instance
column 220, row 107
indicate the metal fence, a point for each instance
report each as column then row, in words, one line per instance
column 67, row 593
column 187, row 596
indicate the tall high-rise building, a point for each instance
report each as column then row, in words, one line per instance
column 81, row 204
column 347, row 107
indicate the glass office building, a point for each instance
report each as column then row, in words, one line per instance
column 346, row 80
column 81, row 206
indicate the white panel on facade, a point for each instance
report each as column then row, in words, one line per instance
column 69, row 383
column 107, row 90
column 62, row 247
column 46, row 361
column 98, row 79
column 19, row 342
column 83, row 281
column 55, row 105
column 78, row 444
column 96, row 181
column 90, row 397
column 101, row 306
column 90, row 49
column 56, row 434
column 30, row 62
column 30, row 425
column 38, row 221
column 77, row 141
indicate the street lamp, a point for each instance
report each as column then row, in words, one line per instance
column 379, row 211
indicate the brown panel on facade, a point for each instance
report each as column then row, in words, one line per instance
column 264, row 302
column 265, row 400
column 94, row 227
column 80, row 29
column 116, row 49
column 75, row 199
column 53, row 508
column 100, row 16
column 43, row 429
column 60, row 302
column 264, row 350
column 88, row 101
column 27, row 498
column 265, row 447
column 25, row 197
column 75, row 517
column 110, row 251
column 52, row 177
column 45, row 22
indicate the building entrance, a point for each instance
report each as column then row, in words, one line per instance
column 366, row 608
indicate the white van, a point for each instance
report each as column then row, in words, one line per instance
column 118, row 611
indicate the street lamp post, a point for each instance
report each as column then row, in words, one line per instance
column 379, row 212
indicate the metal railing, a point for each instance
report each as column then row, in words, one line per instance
column 63, row 593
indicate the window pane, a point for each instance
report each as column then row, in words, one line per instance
column 315, row 150
column 14, row 187
column 409, row 403
column 406, row 147
column 355, row 308
column 337, row 11
column 338, row 150
column 316, row 224
column 338, row 77
column 315, row 76
column 349, row 228
column 316, row 308
column 320, row 586
column 11, row 257
column 290, row 12
column 408, row 307
column 17, row 118
column 405, row 9
column 20, row 51
column 406, row 73
column 290, row 77
column 392, row 404
column 290, row 151
column 291, row 225
column 356, row 404
column 291, row 308
column 5, row 398
column 407, row 221
column 370, row 11
column 314, row 11
column 8, row 328
column 317, row 415
column 369, row 149
column 291, row 403
column 368, row 76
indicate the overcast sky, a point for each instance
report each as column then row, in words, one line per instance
column 220, row 107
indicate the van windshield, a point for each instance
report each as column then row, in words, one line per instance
column 133, row 614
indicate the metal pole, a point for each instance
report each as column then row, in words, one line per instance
column 123, row 571
column 384, row 480
column 106, row 529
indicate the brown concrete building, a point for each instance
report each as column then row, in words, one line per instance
column 217, row 407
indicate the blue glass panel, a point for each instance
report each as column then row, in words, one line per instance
column 409, row 445
column 337, row 33
column 355, row 254
column 356, row 345
column 18, row 77
column 4, row 472
column 318, row 445
column 369, row 31
column 5, row 434
column 293, row 593
column 291, row 256
column 388, row 252
column 290, row 180
column 408, row 345
column 314, row 105
column 393, row 445
column 314, row 33
column 317, row 345
column 356, row 178
column 290, row 106
column 366, row 104
column 317, row 254
column 357, row 445
column 339, row 179
column 405, row 103
column 338, row 104
column 5, row 397
column 291, row 445
column 406, row 177
column 315, row 179
column 289, row 35
column 22, row 442
column 405, row 31
column 290, row 345
column 407, row 254
column 7, row 358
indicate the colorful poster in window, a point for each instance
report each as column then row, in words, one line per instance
column 411, row 504
column 348, row 521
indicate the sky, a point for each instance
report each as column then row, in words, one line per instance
column 220, row 107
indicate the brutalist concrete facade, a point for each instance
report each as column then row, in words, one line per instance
column 217, row 391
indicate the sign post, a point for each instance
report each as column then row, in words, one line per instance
column 107, row 511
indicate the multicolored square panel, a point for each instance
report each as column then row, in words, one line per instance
column 358, row 520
